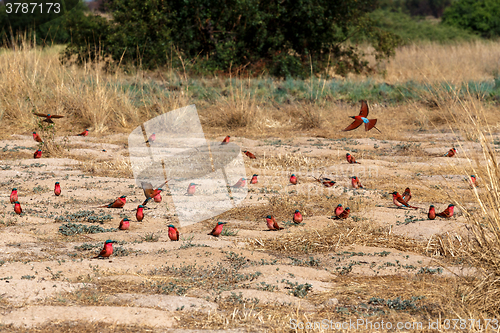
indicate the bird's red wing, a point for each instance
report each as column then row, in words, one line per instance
column 56, row 116
column 370, row 124
column 401, row 201
column 364, row 109
column 40, row 114
column 355, row 124
column 177, row 233
column 407, row 195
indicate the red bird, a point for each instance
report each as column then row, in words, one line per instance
column 297, row 217
column 447, row 213
column 361, row 118
column 118, row 203
column 84, row 133
column 254, row 179
column 344, row 214
column 151, row 138
column 48, row 117
column 327, row 182
column 472, row 181
column 37, row 154
column 37, row 137
column 191, row 189
column 356, row 183
column 57, row 189
column 107, row 250
column 226, row 140
column 450, row 153
column 13, row 195
column 407, row 194
column 157, row 197
column 17, row 208
column 398, row 201
column 432, row 213
column 151, row 193
column 124, row 224
column 249, row 154
column 339, row 210
column 173, row 233
column 139, row 214
column 351, row 159
column 240, row 183
column 293, row 179
column 218, row 229
column 272, row 224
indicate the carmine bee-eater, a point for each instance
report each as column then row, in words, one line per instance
column 249, row 154
column 157, row 197
column 226, row 140
column 48, row 117
column 17, row 208
column 151, row 193
column 351, row 159
column 106, row 251
column 361, row 118
column 173, row 233
column 432, row 213
column 84, row 133
column 398, row 201
column 450, row 153
column 344, row 214
column 118, row 203
column 13, row 195
column 327, row 182
column 139, row 214
column 240, row 183
column 37, row 154
column 124, row 224
column 57, row 189
column 254, row 179
column 447, row 213
column 218, row 229
column 297, row 217
column 191, row 189
column 293, row 179
column 151, row 138
column 271, row 223
column 339, row 210
column 472, row 181
column 407, row 194
column 37, row 137
column 356, row 183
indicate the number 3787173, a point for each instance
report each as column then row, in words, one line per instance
column 32, row 8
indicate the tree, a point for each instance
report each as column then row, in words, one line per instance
column 479, row 16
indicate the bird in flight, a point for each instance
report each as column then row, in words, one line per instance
column 48, row 117
column 362, row 118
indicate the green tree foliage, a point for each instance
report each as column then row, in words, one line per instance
column 416, row 7
column 285, row 38
column 479, row 16
column 45, row 21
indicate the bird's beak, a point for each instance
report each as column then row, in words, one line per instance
column 351, row 117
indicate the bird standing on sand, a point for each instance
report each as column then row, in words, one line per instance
column 254, row 179
column 407, row 194
column 124, row 224
column 450, row 153
column 297, row 217
column 57, row 189
column 17, row 208
column 226, row 140
column 13, row 195
column 272, row 224
column 139, row 214
column 48, row 117
column 351, row 159
column 84, row 133
column 472, row 181
column 173, row 233
column 398, row 201
column 157, row 197
column 151, row 138
column 356, row 183
column 37, row 137
column 240, row 183
column 339, row 210
column 249, row 154
column 361, row 118
column 293, row 179
column 118, row 203
column 432, row 213
column 447, row 213
column 151, row 193
column 344, row 214
column 327, row 182
column 106, row 251
column 191, row 189
column 37, row 154
column 218, row 229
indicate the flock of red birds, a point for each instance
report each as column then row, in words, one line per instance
column 155, row 194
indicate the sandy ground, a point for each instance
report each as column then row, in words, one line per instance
column 150, row 282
